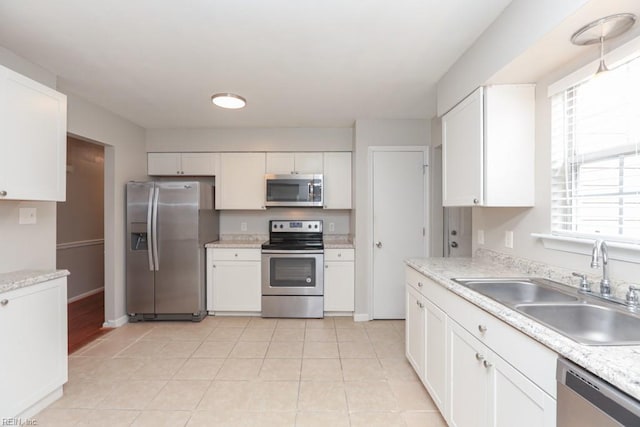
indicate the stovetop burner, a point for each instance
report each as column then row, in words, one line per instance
column 294, row 235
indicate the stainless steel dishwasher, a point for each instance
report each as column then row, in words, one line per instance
column 585, row 400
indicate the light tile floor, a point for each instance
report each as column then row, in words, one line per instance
column 245, row 371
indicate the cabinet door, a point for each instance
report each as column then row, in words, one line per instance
column 200, row 164
column 414, row 330
column 308, row 162
column 338, row 286
column 163, row 164
column 469, row 379
column 280, row 163
column 337, row 180
column 515, row 400
column 463, row 153
column 33, row 327
column 240, row 183
column 236, row 286
column 33, row 131
column 435, row 364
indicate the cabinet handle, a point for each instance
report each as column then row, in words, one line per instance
column 4, row 302
column 339, row 254
column 482, row 328
column 326, row 266
column 214, row 266
column 177, row 172
column 420, row 284
column 479, row 357
column 419, row 304
column 3, row 193
column 487, row 364
column 476, row 201
column 235, row 255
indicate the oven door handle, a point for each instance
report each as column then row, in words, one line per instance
column 277, row 251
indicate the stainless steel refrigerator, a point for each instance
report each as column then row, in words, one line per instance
column 168, row 224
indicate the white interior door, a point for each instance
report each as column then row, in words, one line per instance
column 399, row 224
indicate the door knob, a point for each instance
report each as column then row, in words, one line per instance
column 379, row 244
column 454, row 244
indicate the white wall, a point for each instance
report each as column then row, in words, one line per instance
column 250, row 139
column 521, row 24
column 125, row 159
column 369, row 133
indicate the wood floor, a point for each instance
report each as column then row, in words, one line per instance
column 85, row 318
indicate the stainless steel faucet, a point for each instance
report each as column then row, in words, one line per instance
column 598, row 251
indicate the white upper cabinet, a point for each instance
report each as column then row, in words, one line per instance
column 174, row 164
column 240, row 181
column 337, row 180
column 291, row 163
column 33, row 139
column 488, row 144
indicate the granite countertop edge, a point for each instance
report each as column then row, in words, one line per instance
column 24, row 278
column 619, row 365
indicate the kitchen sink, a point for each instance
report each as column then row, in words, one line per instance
column 517, row 291
column 587, row 323
column 582, row 317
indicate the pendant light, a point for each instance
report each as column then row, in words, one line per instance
column 601, row 30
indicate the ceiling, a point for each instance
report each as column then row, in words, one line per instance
column 299, row 63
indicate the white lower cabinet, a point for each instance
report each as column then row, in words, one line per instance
column 478, row 370
column 415, row 336
column 339, row 280
column 233, row 280
column 33, row 327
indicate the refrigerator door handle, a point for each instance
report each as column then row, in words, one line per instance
column 154, row 229
column 149, row 231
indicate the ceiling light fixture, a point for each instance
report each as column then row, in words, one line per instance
column 228, row 100
column 601, row 30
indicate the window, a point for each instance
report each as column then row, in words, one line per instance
column 595, row 182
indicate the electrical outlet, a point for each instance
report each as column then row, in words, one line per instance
column 508, row 239
column 332, row 226
column 481, row 237
column 27, row 216
column 243, row 226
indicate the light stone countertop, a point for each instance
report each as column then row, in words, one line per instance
column 619, row 365
column 23, row 278
column 250, row 241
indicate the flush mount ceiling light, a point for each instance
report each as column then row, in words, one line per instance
column 601, row 30
column 228, row 100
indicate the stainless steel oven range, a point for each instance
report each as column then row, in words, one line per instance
column 292, row 270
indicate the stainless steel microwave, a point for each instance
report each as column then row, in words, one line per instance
column 295, row 190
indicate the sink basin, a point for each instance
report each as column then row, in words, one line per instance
column 516, row 291
column 587, row 323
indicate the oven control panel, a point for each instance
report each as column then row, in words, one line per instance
column 280, row 226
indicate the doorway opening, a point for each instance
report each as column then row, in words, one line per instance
column 80, row 241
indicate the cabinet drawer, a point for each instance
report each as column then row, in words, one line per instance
column 236, row 254
column 511, row 344
column 338, row 254
column 415, row 279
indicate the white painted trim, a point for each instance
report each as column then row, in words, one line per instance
column 79, row 244
column 86, row 294
column 120, row 321
column 36, row 407
column 361, row 317
column 620, row 55
column 425, row 219
column 627, row 252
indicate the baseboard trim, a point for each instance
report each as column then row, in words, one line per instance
column 85, row 295
column 361, row 317
column 116, row 323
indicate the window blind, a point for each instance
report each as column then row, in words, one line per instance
column 595, row 164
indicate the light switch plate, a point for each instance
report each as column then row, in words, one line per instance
column 243, row 226
column 508, row 239
column 27, row 216
column 481, row 237
column 332, row 226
